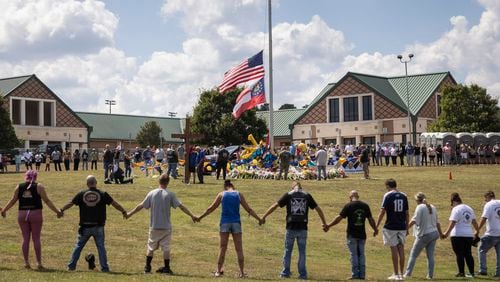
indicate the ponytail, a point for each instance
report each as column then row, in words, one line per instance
column 421, row 198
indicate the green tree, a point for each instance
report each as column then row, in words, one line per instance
column 149, row 134
column 467, row 109
column 212, row 117
column 7, row 134
column 263, row 107
column 287, row 107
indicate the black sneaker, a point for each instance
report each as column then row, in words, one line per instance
column 165, row 270
column 90, row 258
column 460, row 275
column 147, row 269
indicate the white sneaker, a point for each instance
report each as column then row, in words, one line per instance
column 400, row 277
column 393, row 277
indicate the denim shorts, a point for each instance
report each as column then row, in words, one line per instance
column 234, row 227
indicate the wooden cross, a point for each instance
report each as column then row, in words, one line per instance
column 188, row 136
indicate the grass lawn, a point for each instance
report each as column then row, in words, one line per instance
column 195, row 246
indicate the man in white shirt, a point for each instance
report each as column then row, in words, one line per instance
column 321, row 162
column 491, row 238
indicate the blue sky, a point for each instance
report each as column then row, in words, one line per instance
column 151, row 55
column 373, row 26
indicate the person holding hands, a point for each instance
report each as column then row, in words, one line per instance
column 160, row 201
column 30, row 218
column 297, row 203
column 230, row 223
column 356, row 213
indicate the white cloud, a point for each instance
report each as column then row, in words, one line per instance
column 87, row 68
column 34, row 29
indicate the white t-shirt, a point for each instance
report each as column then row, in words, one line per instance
column 491, row 212
column 425, row 222
column 463, row 215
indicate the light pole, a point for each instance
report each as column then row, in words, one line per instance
column 172, row 114
column 110, row 103
column 400, row 57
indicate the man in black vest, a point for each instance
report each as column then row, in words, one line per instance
column 298, row 203
column 92, row 203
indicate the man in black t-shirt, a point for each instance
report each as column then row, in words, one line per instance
column 356, row 212
column 222, row 159
column 92, row 203
column 298, row 203
column 107, row 159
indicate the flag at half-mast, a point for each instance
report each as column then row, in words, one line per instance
column 249, row 98
column 250, row 69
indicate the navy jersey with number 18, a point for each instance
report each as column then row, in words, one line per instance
column 395, row 204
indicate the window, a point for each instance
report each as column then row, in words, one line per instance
column 351, row 109
column 32, row 112
column 47, row 113
column 334, row 110
column 16, row 111
column 349, row 141
column 331, row 141
column 369, row 140
column 367, row 108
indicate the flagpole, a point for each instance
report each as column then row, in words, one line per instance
column 271, row 125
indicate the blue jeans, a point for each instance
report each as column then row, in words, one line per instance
column 487, row 242
column 106, row 169
column 290, row 236
column 83, row 236
column 357, row 254
column 172, row 170
column 427, row 241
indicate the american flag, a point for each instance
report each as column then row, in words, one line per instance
column 250, row 69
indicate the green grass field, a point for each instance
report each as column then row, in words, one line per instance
column 195, row 246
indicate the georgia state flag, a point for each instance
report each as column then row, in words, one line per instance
column 249, row 98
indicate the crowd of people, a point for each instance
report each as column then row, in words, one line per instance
column 433, row 155
column 463, row 228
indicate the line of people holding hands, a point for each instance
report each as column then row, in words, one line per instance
column 462, row 229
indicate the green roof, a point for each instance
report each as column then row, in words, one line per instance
column 420, row 88
column 11, row 83
column 281, row 120
column 123, row 127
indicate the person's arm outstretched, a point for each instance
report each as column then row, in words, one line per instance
column 245, row 205
column 135, row 210
column 186, row 211
column 45, row 198
column 215, row 204
column 269, row 211
column 11, row 202
column 448, row 230
column 335, row 221
column 380, row 217
column 373, row 225
column 322, row 216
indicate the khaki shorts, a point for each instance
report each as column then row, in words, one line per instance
column 159, row 238
column 393, row 238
